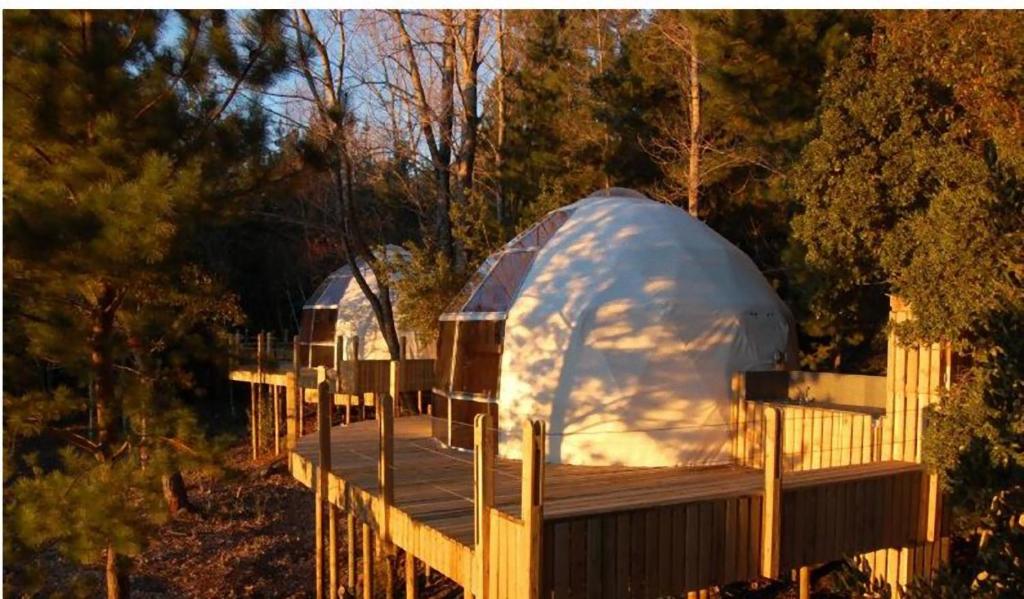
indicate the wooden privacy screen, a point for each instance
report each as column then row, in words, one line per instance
column 823, row 520
column 374, row 376
column 813, row 437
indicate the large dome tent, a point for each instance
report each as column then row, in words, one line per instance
column 339, row 309
column 619, row 321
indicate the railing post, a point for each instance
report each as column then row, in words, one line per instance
column 395, row 385
column 385, row 482
column 276, row 401
column 483, row 502
column 771, row 522
column 357, row 387
column 292, row 400
column 323, row 407
column 385, row 464
column 532, row 506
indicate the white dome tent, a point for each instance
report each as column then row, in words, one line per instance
column 338, row 308
column 619, row 321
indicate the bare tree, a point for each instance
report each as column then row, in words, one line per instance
column 442, row 120
column 324, row 74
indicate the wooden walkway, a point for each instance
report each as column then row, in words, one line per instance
column 434, row 485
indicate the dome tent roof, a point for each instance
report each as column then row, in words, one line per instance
column 355, row 317
column 623, row 332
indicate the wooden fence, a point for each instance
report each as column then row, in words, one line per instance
column 813, row 438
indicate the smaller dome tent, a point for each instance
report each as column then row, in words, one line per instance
column 338, row 308
column 622, row 321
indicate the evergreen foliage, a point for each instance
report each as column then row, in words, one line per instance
column 912, row 187
column 121, row 143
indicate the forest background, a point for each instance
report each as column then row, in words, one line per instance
column 171, row 177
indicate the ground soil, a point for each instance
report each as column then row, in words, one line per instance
column 253, row 537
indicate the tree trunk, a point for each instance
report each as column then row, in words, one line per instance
column 176, row 494
column 693, row 178
column 443, row 219
column 117, row 575
column 108, row 412
column 499, row 150
column 468, row 84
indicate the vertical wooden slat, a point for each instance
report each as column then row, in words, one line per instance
column 729, row 570
column 562, row 551
column 743, row 551
column 622, row 557
column 594, row 556
column 578, row 557
column 693, row 544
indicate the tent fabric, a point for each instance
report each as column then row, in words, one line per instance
column 355, row 317
column 624, row 332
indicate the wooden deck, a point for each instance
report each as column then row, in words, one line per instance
column 434, row 484
column 433, row 500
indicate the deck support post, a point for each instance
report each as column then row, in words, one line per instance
column 805, row 582
column 291, row 410
column 771, row 521
column 367, row 562
column 277, row 419
column 389, row 572
column 532, row 504
column 483, row 502
column 261, row 358
column 411, row 587
column 385, row 482
column 323, row 406
column 350, row 552
column 332, row 549
column 252, row 419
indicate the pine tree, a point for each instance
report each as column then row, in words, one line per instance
column 121, row 143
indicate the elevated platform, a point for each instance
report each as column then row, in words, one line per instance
column 674, row 529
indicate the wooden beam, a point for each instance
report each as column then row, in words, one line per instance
column 483, row 502
column 771, row 520
column 532, row 505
